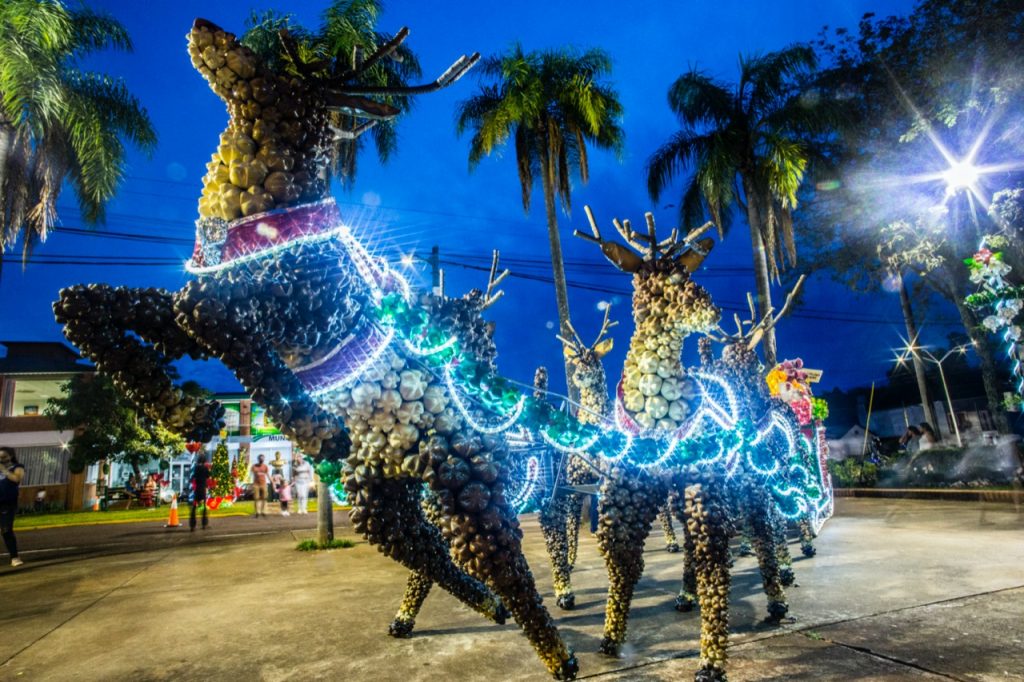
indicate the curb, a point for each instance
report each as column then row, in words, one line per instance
column 999, row 496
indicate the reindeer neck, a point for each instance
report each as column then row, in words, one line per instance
column 667, row 306
column 592, row 384
column 273, row 152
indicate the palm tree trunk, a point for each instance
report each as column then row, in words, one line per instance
column 922, row 383
column 764, row 290
column 557, row 267
column 989, row 372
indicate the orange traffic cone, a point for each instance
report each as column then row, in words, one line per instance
column 172, row 520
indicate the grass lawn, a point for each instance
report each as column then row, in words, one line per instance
column 134, row 515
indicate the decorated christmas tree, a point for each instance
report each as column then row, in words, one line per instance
column 220, row 472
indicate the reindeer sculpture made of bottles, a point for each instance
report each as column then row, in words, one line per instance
column 740, row 366
column 654, row 400
column 560, row 517
column 284, row 295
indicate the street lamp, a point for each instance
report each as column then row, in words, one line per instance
column 960, row 175
column 926, row 355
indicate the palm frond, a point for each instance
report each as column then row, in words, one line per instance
column 93, row 31
column 698, row 100
column 772, row 75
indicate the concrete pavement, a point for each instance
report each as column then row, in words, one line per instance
column 899, row 590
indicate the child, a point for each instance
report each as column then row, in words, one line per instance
column 284, row 492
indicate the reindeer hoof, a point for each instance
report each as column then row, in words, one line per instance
column 786, row 576
column 685, row 603
column 401, row 628
column 501, row 614
column 569, row 669
column 808, row 550
column 566, row 602
column 672, row 547
column 777, row 610
column 709, row 674
column 609, row 647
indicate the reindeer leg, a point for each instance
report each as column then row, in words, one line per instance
column 709, row 515
column 784, row 558
column 625, row 524
column 416, row 590
column 665, row 517
column 573, row 518
column 387, row 512
column 553, row 518
column 686, row 600
column 469, row 474
column 577, row 473
column 764, row 539
column 806, row 538
column 98, row 319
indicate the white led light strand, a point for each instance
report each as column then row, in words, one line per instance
column 423, row 352
column 269, row 251
column 578, row 450
column 522, row 496
column 473, row 423
column 358, row 371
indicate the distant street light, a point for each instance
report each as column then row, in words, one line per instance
column 924, row 354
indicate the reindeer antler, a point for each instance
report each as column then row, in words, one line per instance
column 689, row 250
column 344, row 95
column 578, row 346
column 753, row 335
column 492, row 282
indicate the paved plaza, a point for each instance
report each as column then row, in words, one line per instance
column 900, row 589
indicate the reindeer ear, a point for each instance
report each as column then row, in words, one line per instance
column 692, row 259
column 755, row 339
column 569, row 352
column 602, row 349
column 621, row 257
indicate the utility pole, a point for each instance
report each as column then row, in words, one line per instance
column 922, row 383
column 435, row 270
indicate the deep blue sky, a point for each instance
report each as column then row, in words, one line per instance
column 427, row 196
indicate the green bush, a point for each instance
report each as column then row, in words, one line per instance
column 313, row 545
column 852, row 473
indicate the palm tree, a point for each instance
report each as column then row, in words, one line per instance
column 552, row 103
column 347, row 33
column 748, row 145
column 57, row 121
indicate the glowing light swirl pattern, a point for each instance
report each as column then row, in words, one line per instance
column 725, row 439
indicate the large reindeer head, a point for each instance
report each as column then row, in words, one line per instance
column 667, row 307
column 661, row 274
column 273, row 153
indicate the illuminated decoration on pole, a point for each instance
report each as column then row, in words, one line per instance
column 1006, row 302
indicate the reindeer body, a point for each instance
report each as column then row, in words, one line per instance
column 656, row 398
column 284, row 296
column 560, row 518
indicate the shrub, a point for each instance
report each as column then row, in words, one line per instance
column 313, row 545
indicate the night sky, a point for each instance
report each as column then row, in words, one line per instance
column 426, row 194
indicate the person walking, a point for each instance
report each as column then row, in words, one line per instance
column 11, row 475
column 260, row 477
column 200, row 481
column 284, row 491
column 302, row 478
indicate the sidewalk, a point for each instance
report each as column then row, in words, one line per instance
column 900, row 590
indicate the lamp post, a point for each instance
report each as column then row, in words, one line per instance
column 927, row 356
